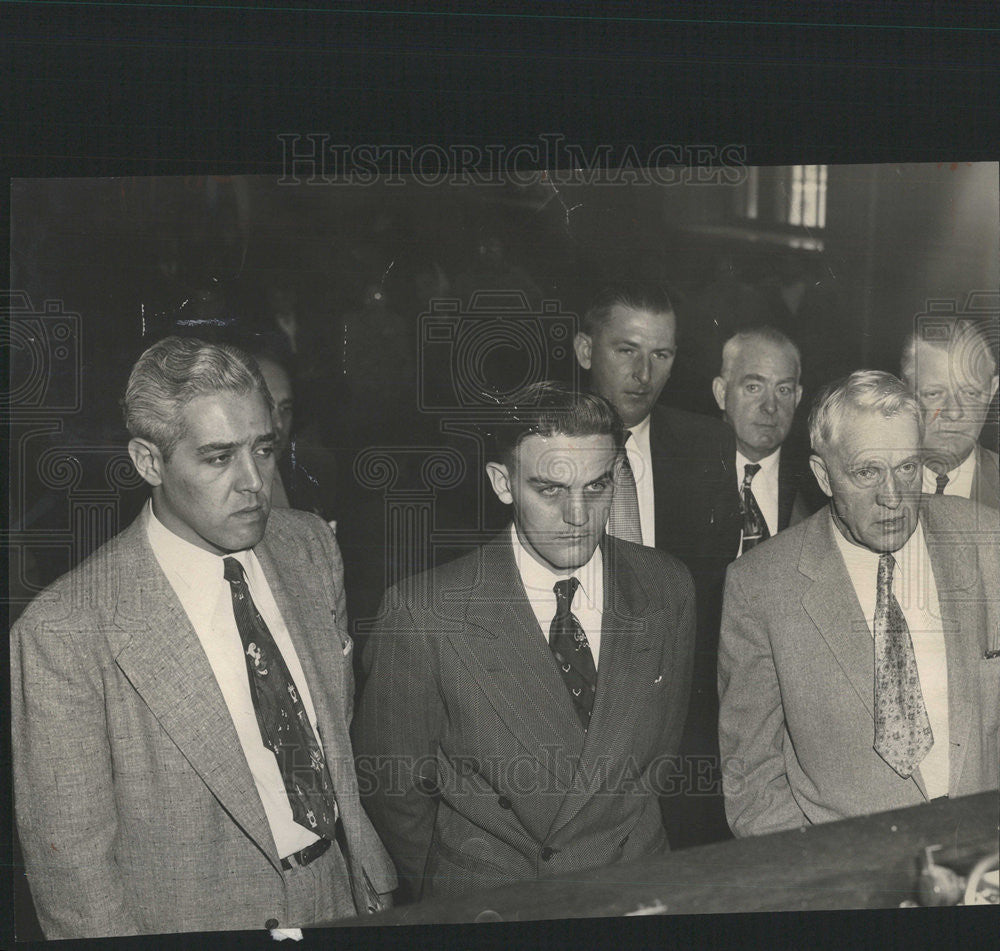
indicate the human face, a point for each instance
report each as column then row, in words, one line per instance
column 561, row 489
column 872, row 472
column 215, row 489
column 758, row 396
column 629, row 358
column 955, row 390
column 280, row 388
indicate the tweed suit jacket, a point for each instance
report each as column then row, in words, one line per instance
column 796, row 664
column 135, row 805
column 477, row 770
column 986, row 478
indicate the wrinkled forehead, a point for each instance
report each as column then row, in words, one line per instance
column 766, row 358
column 965, row 358
column 868, row 434
column 568, row 460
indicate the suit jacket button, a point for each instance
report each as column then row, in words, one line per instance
column 504, row 802
column 271, row 923
column 547, row 853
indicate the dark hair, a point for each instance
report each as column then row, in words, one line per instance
column 549, row 409
column 634, row 295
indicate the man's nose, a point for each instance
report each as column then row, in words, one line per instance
column 250, row 479
column 769, row 404
column 575, row 510
column 892, row 492
column 953, row 407
column 642, row 369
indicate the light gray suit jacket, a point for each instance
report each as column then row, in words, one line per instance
column 480, row 771
column 796, row 662
column 136, row 808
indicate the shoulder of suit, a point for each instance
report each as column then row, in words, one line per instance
column 650, row 561
column 953, row 513
column 684, row 421
column 779, row 551
column 91, row 587
column 287, row 525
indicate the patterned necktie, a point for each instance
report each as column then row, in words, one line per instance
column 942, row 481
column 569, row 646
column 283, row 721
column 754, row 526
column 903, row 734
column 623, row 522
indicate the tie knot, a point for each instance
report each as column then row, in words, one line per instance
column 232, row 570
column 886, row 565
column 750, row 470
column 942, row 480
column 565, row 592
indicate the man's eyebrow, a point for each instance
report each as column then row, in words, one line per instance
column 210, row 447
column 269, row 436
column 538, row 480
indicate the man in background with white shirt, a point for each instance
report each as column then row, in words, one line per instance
column 181, row 700
column 758, row 391
column 523, row 703
column 859, row 661
column 949, row 365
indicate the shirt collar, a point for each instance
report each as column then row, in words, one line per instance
column 859, row 558
column 640, row 429
column 767, row 465
column 179, row 558
column 539, row 578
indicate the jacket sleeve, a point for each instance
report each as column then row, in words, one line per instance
column 64, row 783
column 396, row 736
column 751, row 723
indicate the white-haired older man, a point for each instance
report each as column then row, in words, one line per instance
column 858, row 662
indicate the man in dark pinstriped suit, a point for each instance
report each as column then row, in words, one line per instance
column 476, row 765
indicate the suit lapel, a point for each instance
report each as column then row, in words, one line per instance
column 955, row 571
column 986, row 479
column 159, row 652
column 625, row 640
column 835, row 610
column 505, row 652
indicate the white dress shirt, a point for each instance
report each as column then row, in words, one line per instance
column 588, row 602
column 764, row 487
column 915, row 589
column 641, row 460
column 197, row 578
column 959, row 478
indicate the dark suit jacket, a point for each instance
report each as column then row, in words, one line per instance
column 136, row 807
column 796, row 667
column 477, row 770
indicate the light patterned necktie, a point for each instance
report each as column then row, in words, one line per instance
column 754, row 525
column 903, row 734
column 942, row 480
column 623, row 522
column 281, row 716
column 570, row 647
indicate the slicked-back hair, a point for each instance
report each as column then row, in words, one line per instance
column 552, row 409
column 873, row 391
column 633, row 295
column 766, row 333
column 173, row 372
column 957, row 335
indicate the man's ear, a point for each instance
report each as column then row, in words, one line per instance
column 798, row 395
column 719, row 392
column 147, row 459
column 582, row 345
column 993, row 388
column 819, row 469
column 500, row 480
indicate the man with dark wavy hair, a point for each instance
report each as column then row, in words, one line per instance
column 524, row 702
column 181, row 700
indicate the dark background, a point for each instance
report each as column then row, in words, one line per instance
column 101, row 89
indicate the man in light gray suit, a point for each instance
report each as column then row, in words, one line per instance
column 181, row 700
column 948, row 364
column 859, row 662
